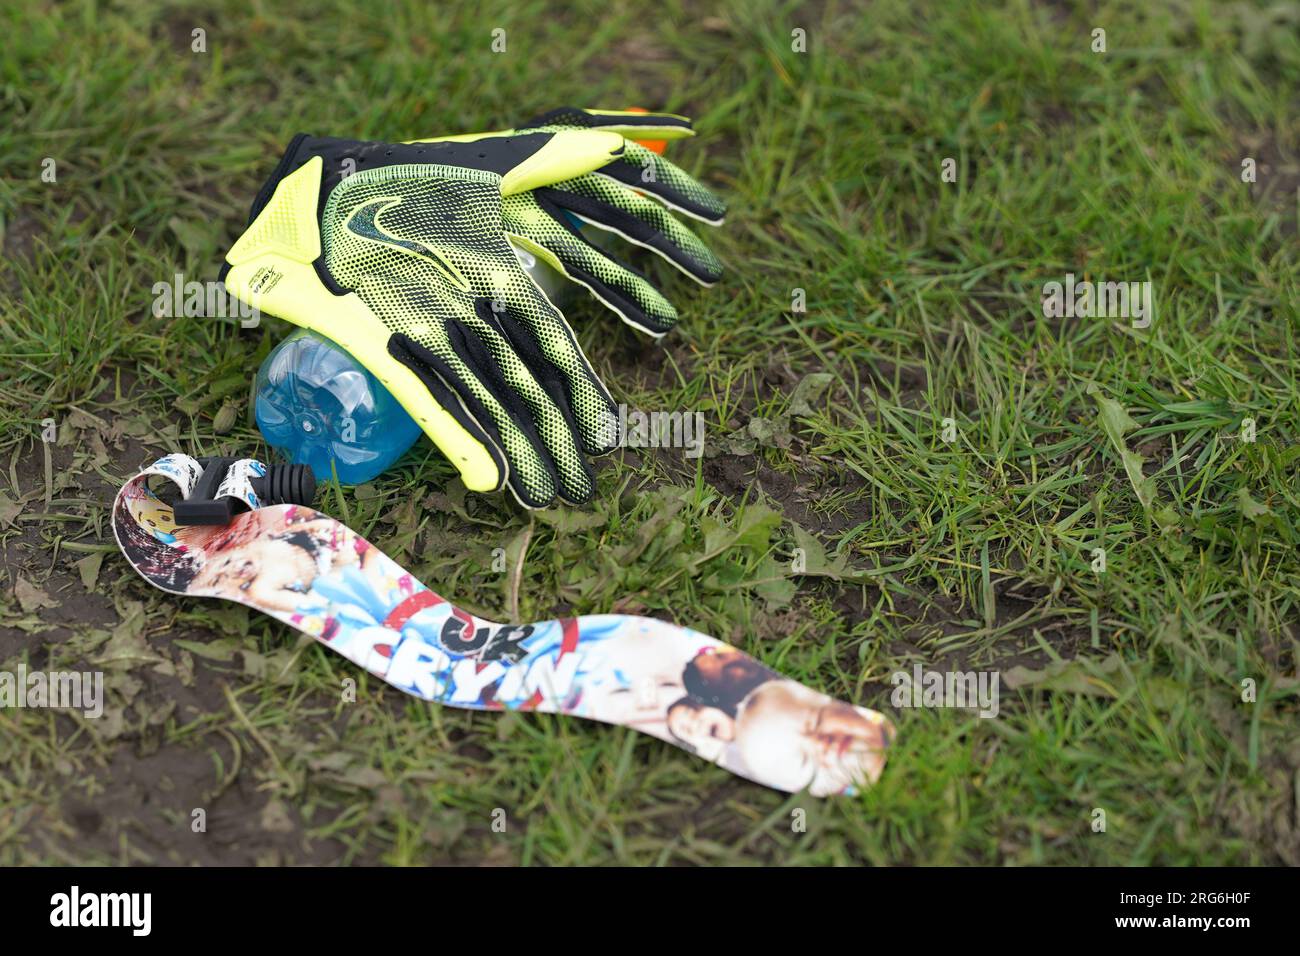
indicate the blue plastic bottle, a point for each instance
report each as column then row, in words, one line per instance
column 317, row 406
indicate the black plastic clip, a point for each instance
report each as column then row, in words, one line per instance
column 281, row 485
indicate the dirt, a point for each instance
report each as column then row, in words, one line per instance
column 20, row 236
column 1277, row 177
column 132, row 798
column 127, row 797
column 148, row 801
column 1016, row 619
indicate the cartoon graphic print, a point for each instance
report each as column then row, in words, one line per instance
column 318, row 576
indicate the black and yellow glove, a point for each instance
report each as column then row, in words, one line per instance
column 398, row 253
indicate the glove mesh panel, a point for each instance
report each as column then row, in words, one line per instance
column 419, row 245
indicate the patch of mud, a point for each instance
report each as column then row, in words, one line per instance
column 797, row 498
column 20, row 236
column 147, row 802
column 1277, row 178
column 938, row 624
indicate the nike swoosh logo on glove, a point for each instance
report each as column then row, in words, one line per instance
column 363, row 221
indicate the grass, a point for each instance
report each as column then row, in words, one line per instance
column 1122, row 690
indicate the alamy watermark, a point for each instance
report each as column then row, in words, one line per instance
column 133, row 911
column 1099, row 300
column 65, row 690
column 638, row 429
column 970, row 690
column 202, row 300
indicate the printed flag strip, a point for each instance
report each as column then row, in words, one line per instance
column 318, row 576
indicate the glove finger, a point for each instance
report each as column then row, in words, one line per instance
column 647, row 172
column 628, row 123
column 536, row 222
column 612, row 206
column 491, row 368
column 544, row 391
column 639, row 167
column 524, row 160
column 550, row 342
column 461, row 375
